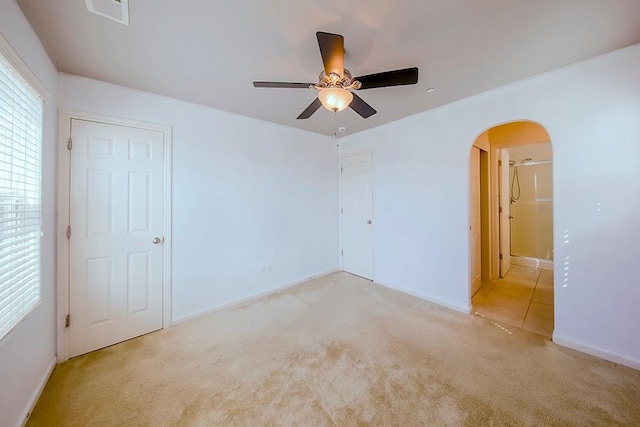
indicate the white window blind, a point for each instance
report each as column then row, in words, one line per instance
column 20, row 155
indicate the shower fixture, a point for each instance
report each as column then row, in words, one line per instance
column 529, row 162
column 515, row 180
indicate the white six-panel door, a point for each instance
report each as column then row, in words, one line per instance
column 357, row 214
column 116, row 212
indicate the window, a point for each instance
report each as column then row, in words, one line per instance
column 21, row 112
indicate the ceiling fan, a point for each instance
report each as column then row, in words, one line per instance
column 336, row 85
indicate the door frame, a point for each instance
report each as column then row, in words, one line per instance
column 373, row 204
column 480, row 194
column 504, row 212
column 494, row 171
column 63, row 213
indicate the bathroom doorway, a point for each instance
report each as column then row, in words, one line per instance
column 531, row 205
column 516, row 227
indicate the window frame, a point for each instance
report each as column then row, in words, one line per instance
column 32, row 84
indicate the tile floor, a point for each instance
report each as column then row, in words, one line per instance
column 523, row 298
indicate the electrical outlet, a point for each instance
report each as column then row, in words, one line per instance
column 265, row 268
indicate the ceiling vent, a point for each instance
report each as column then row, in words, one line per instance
column 117, row 10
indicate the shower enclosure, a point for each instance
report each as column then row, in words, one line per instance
column 531, row 211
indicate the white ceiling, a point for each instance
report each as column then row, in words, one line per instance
column 209, row 52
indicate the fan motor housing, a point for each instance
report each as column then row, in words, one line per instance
column 334, row 80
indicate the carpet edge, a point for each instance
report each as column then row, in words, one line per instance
column 250, row 297
column 597, row 352
column 448, row 304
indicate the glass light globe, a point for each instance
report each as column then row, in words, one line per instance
column 335, row 99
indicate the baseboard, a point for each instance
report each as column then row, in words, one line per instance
column 444, row 303
column 542, row 264
column 594, row 351
column 248, row 298
column 37, row 392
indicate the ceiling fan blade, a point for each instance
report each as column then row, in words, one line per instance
column 312, row 108
column 332, row 52
column 407, row 76
column 359, row 106
column 283, row 85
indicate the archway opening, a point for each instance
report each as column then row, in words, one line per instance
column 511, row 226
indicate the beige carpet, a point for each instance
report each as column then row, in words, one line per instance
column 339, row 351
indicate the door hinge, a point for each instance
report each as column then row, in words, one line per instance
column 500, row 209
column 500, row 257
column 341, row 210
column 67, row 321
column 342, row 252
column 69, row 144
column 340, row 169
column 68, row 232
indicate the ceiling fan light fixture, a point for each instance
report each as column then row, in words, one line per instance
column 335, row 83
column 335, row 99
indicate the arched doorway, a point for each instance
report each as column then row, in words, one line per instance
column 511, row 226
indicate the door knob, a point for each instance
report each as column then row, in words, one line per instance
column 369, row 222
column 157, row 240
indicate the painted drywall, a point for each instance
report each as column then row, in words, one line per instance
column 246, row 193
column 483, row 142
column 28, row 353
column 522, row 132
column 591, row 111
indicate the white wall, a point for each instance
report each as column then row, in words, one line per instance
column 27, row 354
column 592, row 113
column 245, row 193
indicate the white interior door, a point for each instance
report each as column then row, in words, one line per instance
column 116, row 212
column 475, row 248
column 357, row 214
column 505, row 214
